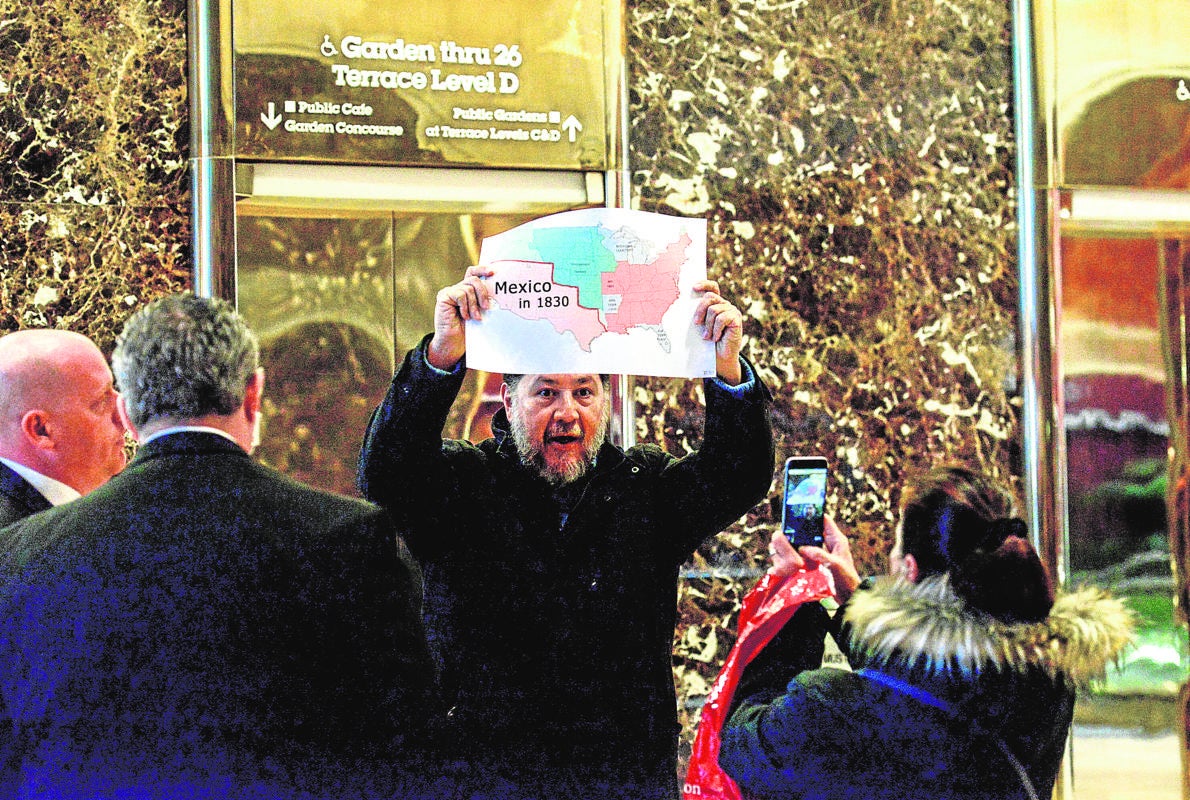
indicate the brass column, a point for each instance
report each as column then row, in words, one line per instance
column 1042, row 433
column 212, row 166
column 1043, row 439
column 1175, row 304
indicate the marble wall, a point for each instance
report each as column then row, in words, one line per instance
column 854, row 161
column 94, row 186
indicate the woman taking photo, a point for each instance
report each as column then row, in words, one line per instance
column 965, row 665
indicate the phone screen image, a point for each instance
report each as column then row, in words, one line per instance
column 805, row 501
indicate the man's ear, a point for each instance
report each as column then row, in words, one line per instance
column 506, row 398
column 254, row 394
column 910, row 568
column 253, row 397
column 35, row 427
column 122, row 410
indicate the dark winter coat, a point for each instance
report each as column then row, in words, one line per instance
column 834, row 733
column 553, row 613
column 202, row 626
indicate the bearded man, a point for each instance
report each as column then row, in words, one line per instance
column 551, row 557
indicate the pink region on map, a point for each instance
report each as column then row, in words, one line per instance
column 646, row 291
column 527, row 289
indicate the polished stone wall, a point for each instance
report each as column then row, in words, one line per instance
column 94, row 193
column 854, row 161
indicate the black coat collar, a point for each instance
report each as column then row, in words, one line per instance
column 187, row 443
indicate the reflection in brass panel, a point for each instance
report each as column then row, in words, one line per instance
column 318, row 293
column 336, row 301
column 1138, row 134
column 1115, row 79
column 431, row 251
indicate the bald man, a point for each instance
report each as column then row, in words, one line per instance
column 60, row 433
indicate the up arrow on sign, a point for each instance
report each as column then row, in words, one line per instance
column 572, row 126
column 273, row 119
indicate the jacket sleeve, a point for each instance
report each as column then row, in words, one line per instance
column 797, row 647
column 704, row 492
column 771, row 717
column 403, row 464
column 838, row 628
column 379, row 638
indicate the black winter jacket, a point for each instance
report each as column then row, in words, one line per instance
column 553, row 613
column 834, row 733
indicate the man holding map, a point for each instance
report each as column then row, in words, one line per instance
column 551, row 556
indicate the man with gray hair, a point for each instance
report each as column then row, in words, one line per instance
column 202, row 625
column 60, row 434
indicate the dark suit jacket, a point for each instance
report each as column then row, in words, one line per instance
column 18, row 499
column 204, row 626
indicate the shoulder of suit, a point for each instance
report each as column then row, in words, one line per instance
column 286, row 483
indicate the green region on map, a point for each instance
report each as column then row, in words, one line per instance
column 580, row 257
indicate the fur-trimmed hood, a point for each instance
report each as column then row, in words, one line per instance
column 927, row 626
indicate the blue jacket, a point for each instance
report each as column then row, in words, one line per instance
column 833, row 733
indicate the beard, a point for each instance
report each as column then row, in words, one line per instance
column 533, row 453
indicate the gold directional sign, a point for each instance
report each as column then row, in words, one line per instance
column 411, row 82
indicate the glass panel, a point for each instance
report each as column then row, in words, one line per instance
column 1175, row 267
column 1115, row 89
column 1117, row 440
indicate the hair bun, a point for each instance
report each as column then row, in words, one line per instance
column 1003, row 576
column 999, row 530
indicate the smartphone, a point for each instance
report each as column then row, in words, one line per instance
column 805, row 500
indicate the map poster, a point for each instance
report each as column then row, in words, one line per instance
column 602, row 290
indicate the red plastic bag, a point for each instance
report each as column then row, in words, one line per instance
column 764, row 611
